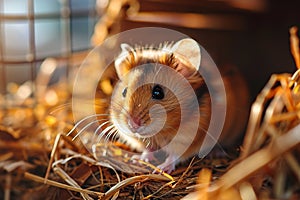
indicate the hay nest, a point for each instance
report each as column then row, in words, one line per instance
column 38, row 160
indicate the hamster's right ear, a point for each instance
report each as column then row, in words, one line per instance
column 189, row 49
column 124, row 60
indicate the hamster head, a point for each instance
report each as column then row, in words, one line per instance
column 155, row 85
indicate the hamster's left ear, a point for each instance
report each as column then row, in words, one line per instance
column 121, row 65
column 188, row 49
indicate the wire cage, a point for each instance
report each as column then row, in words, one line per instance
column 33, row 30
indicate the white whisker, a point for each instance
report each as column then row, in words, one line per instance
column 82, row 120
column 110, row 129
column 85, row 127
column 111, row 132
column 106, row 130
column 115, row 135
column 148, row 143
column 99, row 127
column 58, row 108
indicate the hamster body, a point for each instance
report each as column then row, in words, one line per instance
column 156, row 96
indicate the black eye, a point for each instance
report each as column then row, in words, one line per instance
column 124, row 92
column 157, row 92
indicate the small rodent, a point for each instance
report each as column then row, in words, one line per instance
column 141, row 99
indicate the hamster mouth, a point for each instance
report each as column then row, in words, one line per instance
column 144, row 132
column 137, row 127
column 138, row 131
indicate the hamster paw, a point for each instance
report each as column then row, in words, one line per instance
column 168, row 166
column 145, row 156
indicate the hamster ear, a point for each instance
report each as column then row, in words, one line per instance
column 120, row 65
column 189, row 49
column 126, row 48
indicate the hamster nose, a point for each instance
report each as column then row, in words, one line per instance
column 134, row 123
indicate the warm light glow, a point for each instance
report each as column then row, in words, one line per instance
column 12, row 88
column 106, row 87
column 50, row 120
column 25, row 90
column 48, row 66
column 190, row 20
column 253, row 5
column 51, row 98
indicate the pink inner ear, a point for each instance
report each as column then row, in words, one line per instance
column 184, row 70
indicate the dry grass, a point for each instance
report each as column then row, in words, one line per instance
column 37, row 160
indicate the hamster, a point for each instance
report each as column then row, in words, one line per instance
column 154, row 99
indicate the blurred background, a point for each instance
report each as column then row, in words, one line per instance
column 250, row 34
column 44, row 42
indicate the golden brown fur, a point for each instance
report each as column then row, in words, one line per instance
column 138, row 102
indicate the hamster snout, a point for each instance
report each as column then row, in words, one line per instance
column 143, row 110
column 134, row 123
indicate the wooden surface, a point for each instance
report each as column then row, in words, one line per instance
column 259, row 46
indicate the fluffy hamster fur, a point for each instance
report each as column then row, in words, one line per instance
column 133, row 99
